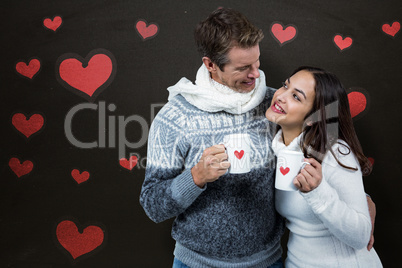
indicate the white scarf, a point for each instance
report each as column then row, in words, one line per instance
column 279, row 145
column 208, row 95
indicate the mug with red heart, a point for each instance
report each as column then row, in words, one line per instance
column 238, row 150
column 289, row 164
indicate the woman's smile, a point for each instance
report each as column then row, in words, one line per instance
column 277, row 108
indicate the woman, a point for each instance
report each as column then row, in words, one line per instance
column 328, row 217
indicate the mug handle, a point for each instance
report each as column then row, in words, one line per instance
column 226, row 152
column 303, row 164
column 222, row 143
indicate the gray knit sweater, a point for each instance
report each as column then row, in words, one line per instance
column 232, row 221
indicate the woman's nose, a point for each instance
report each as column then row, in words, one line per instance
column 281, row 97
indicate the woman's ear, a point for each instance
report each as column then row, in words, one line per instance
column 308, row 121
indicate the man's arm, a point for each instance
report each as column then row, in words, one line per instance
column 372, row 211
column 169, row 189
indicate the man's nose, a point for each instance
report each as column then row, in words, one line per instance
column 254, row 73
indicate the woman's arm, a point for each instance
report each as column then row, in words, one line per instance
column 338, row 198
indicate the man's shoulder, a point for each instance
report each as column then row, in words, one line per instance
column 180, row 105
column 269, row 93
column 266, row 102
column 176, row 111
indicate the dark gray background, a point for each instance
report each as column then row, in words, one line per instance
column 33, row 205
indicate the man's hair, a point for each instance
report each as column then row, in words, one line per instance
column 224, row 29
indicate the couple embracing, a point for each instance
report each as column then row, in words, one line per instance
column 231, row 219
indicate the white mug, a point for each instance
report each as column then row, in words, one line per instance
column 238, row 150
column 289, row 164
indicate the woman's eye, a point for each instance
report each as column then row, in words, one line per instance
column 284, row 85
column 296, row 97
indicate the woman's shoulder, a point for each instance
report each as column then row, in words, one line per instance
column 342, row 147
column 341, row 151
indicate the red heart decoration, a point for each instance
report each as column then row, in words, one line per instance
column 240, row 154
column 391, row 30
column 29, row 70
column 357, row 103
column 283, row 35
column 77, row 243
column 342, row 43
column 89, row 79
column 284, row 171
column 20, row 169
column 371, row 160
column 146, row 31
column 53, row 24
column 79, row 177
column 129, row 164
column 27, row 126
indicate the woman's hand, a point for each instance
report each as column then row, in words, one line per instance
column 309, row 177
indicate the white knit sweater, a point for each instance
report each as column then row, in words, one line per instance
column 329, row 226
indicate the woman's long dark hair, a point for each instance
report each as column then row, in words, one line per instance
column 330, row 120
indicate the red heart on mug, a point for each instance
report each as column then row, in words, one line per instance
column 29, row 70
column 77, row 243
column 238, row 154
column 129, row 164
column 20, row 169
column 27, row 126
column 79, row 177
column 284, row 171
column 283, row 35
column 53, row 24
column 391, row 30
column 146, row 31
column 342, row 43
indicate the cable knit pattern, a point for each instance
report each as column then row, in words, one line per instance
column 208, row 95
column 329, row 226
column 231, row 222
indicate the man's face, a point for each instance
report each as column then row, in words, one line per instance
column 241, row 72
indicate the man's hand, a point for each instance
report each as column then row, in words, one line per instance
column 372, row 211
column 211, row 166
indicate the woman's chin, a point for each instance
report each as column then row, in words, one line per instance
column 272, row 117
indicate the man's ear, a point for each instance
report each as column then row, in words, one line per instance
column 211, row 67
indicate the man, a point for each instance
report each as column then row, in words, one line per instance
column 221, row 219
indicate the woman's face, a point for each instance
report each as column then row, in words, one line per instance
column 293, row 101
